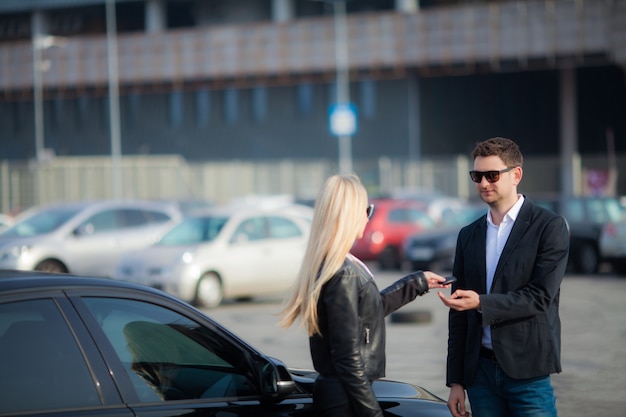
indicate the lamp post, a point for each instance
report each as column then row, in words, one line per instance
column 343, row 81
column 342, row 115
column 114, row 101
column 39, row 43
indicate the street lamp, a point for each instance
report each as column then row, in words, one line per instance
column 342, row 115
column 343, row 82
column 114, row 99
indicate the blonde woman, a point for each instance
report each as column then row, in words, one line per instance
column 338, row 302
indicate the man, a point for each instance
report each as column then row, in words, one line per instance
column 504, row 327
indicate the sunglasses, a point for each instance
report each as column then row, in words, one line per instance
column 369, row 210
column 491, row 176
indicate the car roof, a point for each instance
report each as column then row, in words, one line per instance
column 228, row 210
column 12, row 280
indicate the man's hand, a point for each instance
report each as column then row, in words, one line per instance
column 461, row 300
column 456, row 401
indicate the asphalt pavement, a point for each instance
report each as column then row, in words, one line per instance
column 593, row 315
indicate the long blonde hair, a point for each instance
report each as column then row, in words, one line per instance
column 337, row 218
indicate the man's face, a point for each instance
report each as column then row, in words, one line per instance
column 506, row 185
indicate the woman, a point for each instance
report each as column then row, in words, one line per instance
column 338, row 302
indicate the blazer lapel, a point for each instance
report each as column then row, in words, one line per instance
column 481, row 255
column 520, row 227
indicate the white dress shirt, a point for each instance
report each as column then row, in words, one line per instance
column 497, row 235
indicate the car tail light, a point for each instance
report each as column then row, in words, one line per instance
column 378, row 237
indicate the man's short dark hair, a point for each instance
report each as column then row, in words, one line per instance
column 504, row 148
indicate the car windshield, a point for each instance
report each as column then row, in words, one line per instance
column 193, row 230
column 41, row 223
column 463, row 217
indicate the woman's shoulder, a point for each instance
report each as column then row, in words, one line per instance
column 350, row 271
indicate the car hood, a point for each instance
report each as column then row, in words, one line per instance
column 382, row 387
column 6, row 242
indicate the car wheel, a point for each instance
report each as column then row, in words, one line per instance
column 586, row 259
column 209, row 292
column 619, row 267
column 388, row 259
column 50, row 265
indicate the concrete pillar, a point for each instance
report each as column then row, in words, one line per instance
column 156, row 16
column 408, row 6
column 414, row 118
column 282, row 10
column 569, row 133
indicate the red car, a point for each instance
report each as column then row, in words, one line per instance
column 393, row 220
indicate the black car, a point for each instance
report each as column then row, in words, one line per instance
column 434, row 249
column 81, row 346
column 597, row 228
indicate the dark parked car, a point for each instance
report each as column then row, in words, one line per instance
column 434, row 249
column 80, row 346
column 393, row 220
column 597, row 231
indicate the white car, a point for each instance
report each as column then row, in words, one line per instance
column 224, row 253
column 86, row 238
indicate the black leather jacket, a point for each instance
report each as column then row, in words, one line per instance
column 351, row 314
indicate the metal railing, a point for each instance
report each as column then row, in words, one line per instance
column 25, row 184
column 461, row 36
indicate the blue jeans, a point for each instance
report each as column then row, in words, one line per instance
column 494, row 394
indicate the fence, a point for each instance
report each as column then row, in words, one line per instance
column 25, row 184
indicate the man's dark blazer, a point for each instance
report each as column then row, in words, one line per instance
column 522, row 308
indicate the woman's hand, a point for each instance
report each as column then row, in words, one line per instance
column 435, row 280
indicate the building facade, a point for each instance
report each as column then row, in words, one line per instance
column 219, row 80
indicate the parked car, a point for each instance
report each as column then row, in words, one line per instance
column 434, row 249
column 225, row 252
column 393, row 220
column 438, row 206
column 80, row 346
column 82, row 237
column 597, row 231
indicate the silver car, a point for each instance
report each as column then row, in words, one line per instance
column 224, row 253
column 82, row 237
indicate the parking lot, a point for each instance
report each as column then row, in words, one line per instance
column 593, row 314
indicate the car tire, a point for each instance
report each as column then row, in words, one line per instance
column 51, row 265
column 388, row 259
column 619, row 267
column 209, row 291
column 586, row 259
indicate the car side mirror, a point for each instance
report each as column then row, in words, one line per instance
column 275, row 380
column 84, row 230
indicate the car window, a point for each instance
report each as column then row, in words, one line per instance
column 250, row 230
column 43, row 222
column 140, row 217
column 170, row 357
column 409, row 215
column 282, row 228
column 614, row 210
column 41, row 366
column 574, row 210
column 103, row 221
column 193, row 230
column 597, row 210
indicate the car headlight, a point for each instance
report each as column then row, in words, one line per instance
column 14, row 252
column 187, row 257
